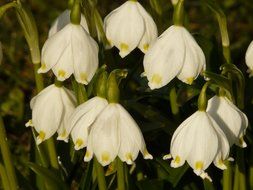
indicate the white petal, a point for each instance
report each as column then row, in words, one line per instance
column 64, row 66
column 205, row 145
column 131, row 139
column 233, row 123
column 194, row 61
column 125, row 27
column 69, row 102
column 63, row 20
column 249, row 58
column 47, row 113
column 165, row 58
column 104, row 136
column 85, row 55
column 54, row 48
column 83, row 117
column 150, row 29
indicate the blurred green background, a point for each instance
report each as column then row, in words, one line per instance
column 150, row 109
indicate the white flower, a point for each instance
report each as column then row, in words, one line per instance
column 199, row 141
column 249, row 58
column 174, row 53
column 51, row 109
column 71, row 50
column 64, row 19
column 130, row 26
column 115, row 133
column 83, row 117
column 231, row 120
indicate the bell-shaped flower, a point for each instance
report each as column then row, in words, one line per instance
column 64, row 19
column 82, row 118
column 199, row 141
column 115, row 133
column 174, row 53
column 249, row 59
column 231, row 120
column 70, row 51
column 51, row 109
column 130, row 26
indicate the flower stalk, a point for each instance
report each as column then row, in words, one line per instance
column 6, row 154
column 120, row 175
column 100, row 175
column 178, row 15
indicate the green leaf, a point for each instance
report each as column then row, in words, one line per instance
column 174, row 174
column 154, row 184
column 51, row 177
column 86, row 179
column 208, row 185
column 220, row 80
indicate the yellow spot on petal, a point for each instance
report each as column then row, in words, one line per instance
column 87, row 154
column 109, row 42
column 43, row 66
column 29, row 123
column 41, row 135
column 129, row 156
column 61, row 73
column 105, row 157
column 79, row 142
column 83, row 77
column 156, row 79
column 124, row 47
column 177, row 160
column 145, row 47
column 190, row 80
column 199, row 165
column 63, row 134
column 220, row 162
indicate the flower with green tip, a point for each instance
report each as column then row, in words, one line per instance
column 231, row 120
column 199, row 141
column 115, row 133
column 70, row 51
column 51, row 109
column 130, row 26
column 174, row 54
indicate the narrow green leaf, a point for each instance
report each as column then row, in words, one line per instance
column 174, row 174
column 51, row 177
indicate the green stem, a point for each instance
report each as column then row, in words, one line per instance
column 202, row 101
column 7, row 6
column 120, row 175
column 242, row 171
column 52, row 153
column 173, row 102
column 6, row 154
column 251, row 169
column 100, row 175
column 38, row 78
column 178, row 15
column 4, row 178
column 80, row 92
column 222, row 21
column 227, row 177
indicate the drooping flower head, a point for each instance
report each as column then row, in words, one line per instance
column 115, row 133
column 51, row 109
column 199, row 141
column 174, row 54
column 232, row 121
column 70, row 51
column 130, row 26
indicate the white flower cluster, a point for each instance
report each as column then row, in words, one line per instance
column 107, row 129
